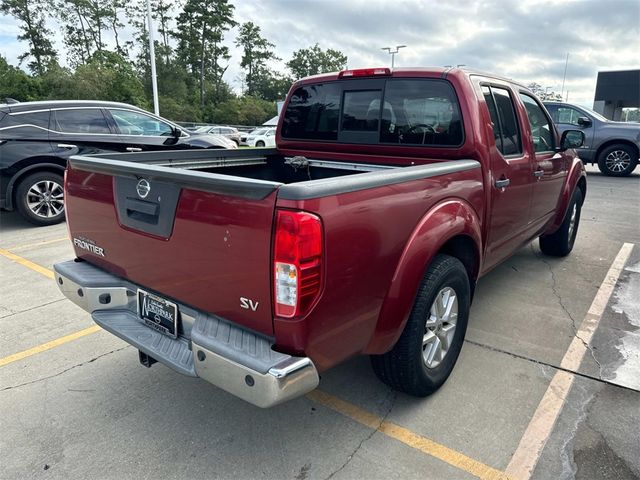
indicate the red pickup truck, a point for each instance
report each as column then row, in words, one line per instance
column 364, row 232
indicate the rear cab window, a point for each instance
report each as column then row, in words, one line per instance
column 382, row 111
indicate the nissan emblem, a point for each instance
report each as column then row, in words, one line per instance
column 143, row 188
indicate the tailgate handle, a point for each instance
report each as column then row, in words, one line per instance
column 144, row 211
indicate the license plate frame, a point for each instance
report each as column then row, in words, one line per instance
column 158, row 313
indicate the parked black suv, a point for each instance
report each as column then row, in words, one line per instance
column 614, row 146
column 36, row 138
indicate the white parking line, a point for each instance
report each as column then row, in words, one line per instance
column 535, row 437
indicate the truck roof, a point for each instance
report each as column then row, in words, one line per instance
column 418, row 72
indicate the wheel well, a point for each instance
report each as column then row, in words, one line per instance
column 53, row 165
column 464, row 249
column 582, row 185
column 609, row 143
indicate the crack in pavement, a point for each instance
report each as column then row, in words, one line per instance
column 365, row 439
column 546, row 364
column 65, row 370
column 554, row 289
column 16, row 312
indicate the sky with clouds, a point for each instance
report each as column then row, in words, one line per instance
column 526, row 40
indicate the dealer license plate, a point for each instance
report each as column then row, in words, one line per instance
column 158, row 313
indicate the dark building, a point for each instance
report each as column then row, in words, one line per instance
column 615, row 91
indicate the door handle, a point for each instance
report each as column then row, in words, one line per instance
column 134, row 149
column 502, row 183
column 538, row 173
column 68, row 146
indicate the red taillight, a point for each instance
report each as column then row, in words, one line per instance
column 297, row 262
column 364, row 72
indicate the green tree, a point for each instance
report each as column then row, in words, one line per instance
column 256, row 51
column 200, row 32
column 242, row 111
column 85, row 22
column 109, row 76
column 162, row 13
column 16, row 84
column 543, row 93
column 32, row 17
column 314, row 60
column 272, row 86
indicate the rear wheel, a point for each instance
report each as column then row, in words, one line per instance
column 617, row 160
column 560, row 243
column 40, row 198
column 428, row 348
column 259, row 143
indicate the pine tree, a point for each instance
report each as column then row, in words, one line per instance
column 256, row 51
column 32, row 17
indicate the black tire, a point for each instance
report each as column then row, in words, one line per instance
column 259, row 143
column 618, row 160
column 560, row 243
column 404, row 368
column 39, row 198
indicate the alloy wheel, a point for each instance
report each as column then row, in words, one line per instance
column 618, row 161
column 440, row 327
column 45, row 199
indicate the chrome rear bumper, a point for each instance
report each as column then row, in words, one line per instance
column 224, row 354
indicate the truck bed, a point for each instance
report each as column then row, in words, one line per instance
column 201, row 232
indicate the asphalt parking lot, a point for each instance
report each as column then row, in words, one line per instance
column 547, row 385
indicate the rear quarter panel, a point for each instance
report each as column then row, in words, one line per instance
column 366, row 233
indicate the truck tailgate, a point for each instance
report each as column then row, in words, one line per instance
column 200, row 239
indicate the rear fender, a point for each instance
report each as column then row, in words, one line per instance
column 576, row 178
column 443, row 222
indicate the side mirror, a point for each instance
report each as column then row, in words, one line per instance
column 176, row 133
column 584, row 121
column 571, row 139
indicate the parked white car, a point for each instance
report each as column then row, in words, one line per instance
column 262, row 137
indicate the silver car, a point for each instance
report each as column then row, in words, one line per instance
column 228, row 132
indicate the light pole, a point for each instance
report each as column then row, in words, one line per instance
column 393, row 52
column 152, row 55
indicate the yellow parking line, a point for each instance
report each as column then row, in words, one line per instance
column 406, row 436
column 27, row 263
column 49, row 345
column 37, row 244
column 391, row 430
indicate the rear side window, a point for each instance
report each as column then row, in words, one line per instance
column 313, row 112
column 84, row 120
column 36, row 119
column 503, row 117
column 421, row 112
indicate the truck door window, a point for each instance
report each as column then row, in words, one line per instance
column 503, row 117
column 312, row 112
column 566, row 115
column 541, row 129
column 423, row 112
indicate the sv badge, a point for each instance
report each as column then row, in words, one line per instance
column 248, row 304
